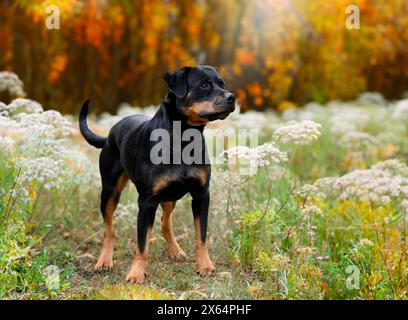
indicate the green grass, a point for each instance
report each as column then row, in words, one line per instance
column 262, row 241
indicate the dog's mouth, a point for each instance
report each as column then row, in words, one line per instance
column 221, row 115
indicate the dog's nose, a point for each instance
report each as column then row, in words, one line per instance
column 230, row 98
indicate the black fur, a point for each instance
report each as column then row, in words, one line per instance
column 90, row 137
column 127, row 148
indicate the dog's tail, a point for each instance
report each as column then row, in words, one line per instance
column 92, row 138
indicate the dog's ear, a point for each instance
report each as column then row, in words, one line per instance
column 177, row 81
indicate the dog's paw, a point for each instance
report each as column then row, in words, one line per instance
column 104, row 264
column 137, row 273
column 203, row 262
column 135, row 277
column 205, row 271
column 205, row 268
column 175, row 252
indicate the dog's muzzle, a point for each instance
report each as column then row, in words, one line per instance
column 223, row 106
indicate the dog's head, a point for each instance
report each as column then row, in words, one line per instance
column 200, row 94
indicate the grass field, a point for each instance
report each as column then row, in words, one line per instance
column 324, row 216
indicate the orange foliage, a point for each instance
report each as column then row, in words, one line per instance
column 273, row 53
column 57, row 67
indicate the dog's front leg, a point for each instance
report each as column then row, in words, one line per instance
column 145, row 220
column 200, row 204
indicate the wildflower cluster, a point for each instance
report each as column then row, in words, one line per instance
column 45, row 171
column 6, row 144
column 286, row 237
column 260, row 156
column 20, row 105
column 400, row 110
column 383, row 182
column 357, row 141
column 311, row 210
column 48, row 124
column 43, row 153
column 11, row 83
column 298, row 133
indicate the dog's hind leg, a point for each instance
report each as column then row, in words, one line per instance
column 145, row 220
column 173, row 248
column 114, row 181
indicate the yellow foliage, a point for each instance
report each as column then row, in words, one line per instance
column 269, row 51
column 286, row 105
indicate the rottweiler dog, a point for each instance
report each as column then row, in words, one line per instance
column 196, row 96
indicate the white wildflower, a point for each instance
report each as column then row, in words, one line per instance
column 21, row 105
column 400, row 110
column 305, row 191
column 6, row 143
column 347, row 118
column 49, row 124
column 324, row 183
column 252, row 119
column 43, row 170
column 57, row 149
column 126, row 211
column 3, row 109
column 260, row 156
column 392, row 166
column 357, row 140
column 366, row 242
column 298, row 133
column 371, row 98
column 311, row 111
column 11, row 83
column 374, row 184
column 311, row 210
column 6, row 122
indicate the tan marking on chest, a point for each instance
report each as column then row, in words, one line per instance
column 201, row 174
column 163, row 181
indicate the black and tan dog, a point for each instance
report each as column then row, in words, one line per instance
column 196, row 95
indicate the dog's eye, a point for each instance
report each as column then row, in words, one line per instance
column 221, row 84
column 205, row 84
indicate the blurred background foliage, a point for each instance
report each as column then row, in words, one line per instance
column 274, row 53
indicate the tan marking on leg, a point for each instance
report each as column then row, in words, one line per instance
column 203, row 261
column 105, row 260
column 173, row 248
column 122, row 181
column 138, row 269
